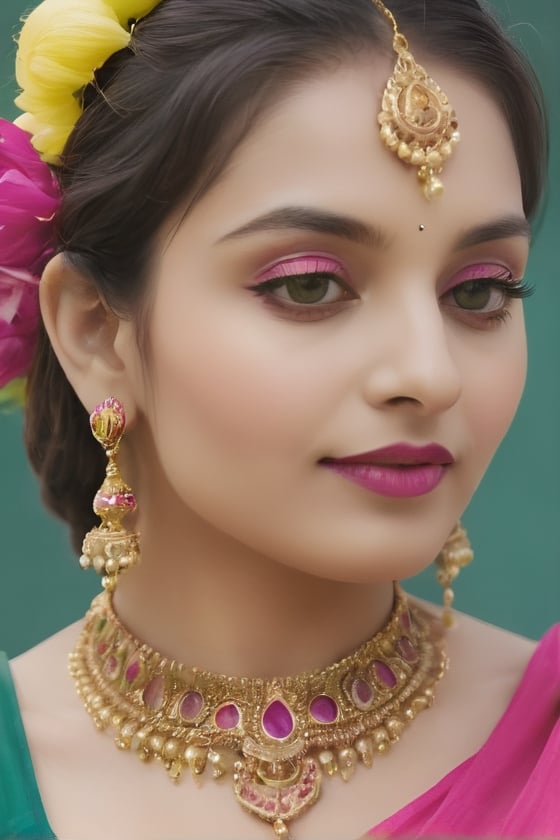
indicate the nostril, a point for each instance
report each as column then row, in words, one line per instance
column 401, row 400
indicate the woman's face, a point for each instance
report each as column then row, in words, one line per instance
column 313, row 305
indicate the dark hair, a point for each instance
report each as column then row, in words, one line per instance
column 161, row 122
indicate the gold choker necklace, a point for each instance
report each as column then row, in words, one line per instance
column 276, row 737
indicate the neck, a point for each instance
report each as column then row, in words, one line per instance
column 229, row 610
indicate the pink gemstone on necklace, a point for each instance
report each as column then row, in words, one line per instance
column 277, row 720
column 112, row 667
column 362, row 694
column 227, row 717
column 406, row 649
column 191, row 705
column 102, row 648
column 153, row 693
column 132, row 671
column 384, row 673
column 324, row 709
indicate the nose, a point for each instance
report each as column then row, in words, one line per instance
column 412, row 362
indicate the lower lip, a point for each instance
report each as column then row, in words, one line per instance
column 398, row 482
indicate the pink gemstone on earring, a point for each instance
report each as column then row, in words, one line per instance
column 118, row 500
column 406, row 649
column 277, row 720
column 110, row 402
column 108, row 421
column 154, row 692
column 324, row 709
column 191, row 705
column 384, row 673
column 102, row 648
column 405, row 621
column 132, row 671
column 362, row 694
column 227, row 717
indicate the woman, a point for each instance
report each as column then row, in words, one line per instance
column 306, row 294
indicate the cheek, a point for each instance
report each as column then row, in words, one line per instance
column 232, row 381
column 494, row 386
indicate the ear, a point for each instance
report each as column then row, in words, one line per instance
column 96, row 349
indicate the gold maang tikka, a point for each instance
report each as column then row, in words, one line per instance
column 417, row 122
column 110, row 548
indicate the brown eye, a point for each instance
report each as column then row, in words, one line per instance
column 311, row 289
column 475, row 295
column 317, row 288
column 308, row 287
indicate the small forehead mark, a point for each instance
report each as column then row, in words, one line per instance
column 421, row 228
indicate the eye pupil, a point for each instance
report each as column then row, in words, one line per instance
column 308, row 289
column 472, row 295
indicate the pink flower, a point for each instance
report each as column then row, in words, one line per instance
column 19, row 319
column 29, row 198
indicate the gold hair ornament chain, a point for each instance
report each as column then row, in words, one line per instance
column 275, row 738
column 417, row 122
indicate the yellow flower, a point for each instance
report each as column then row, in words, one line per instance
column 61, row 45
column 13, row 394
column 127, row 10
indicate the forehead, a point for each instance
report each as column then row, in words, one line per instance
column 320, row 145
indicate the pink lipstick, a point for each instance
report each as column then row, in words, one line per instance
column 401, row 470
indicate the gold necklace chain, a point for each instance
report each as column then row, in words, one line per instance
column 276, row 737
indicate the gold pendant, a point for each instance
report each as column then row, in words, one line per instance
column 263, row 791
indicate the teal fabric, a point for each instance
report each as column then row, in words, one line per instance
column 21, row 811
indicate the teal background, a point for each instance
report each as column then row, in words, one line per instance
column 515, row 579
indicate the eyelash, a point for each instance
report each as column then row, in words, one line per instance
column 511, row 290
column 505, row 284
column 323, row 269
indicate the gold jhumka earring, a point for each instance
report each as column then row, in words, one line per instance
column 110, row 548
column 455, row 554
column 417, row 122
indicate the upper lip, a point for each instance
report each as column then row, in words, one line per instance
column 399, row 453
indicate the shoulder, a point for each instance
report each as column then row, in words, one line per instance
column 487, row 667
column 24, row 684
column 491, row 651
column 49, row 657
column 504, row 692
column 46, row 696
column 498, row 654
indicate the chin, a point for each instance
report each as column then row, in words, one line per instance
column 366, row 564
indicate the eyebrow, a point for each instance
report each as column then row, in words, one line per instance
column 504, row 228
column 352, row 229
column 315, row 220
